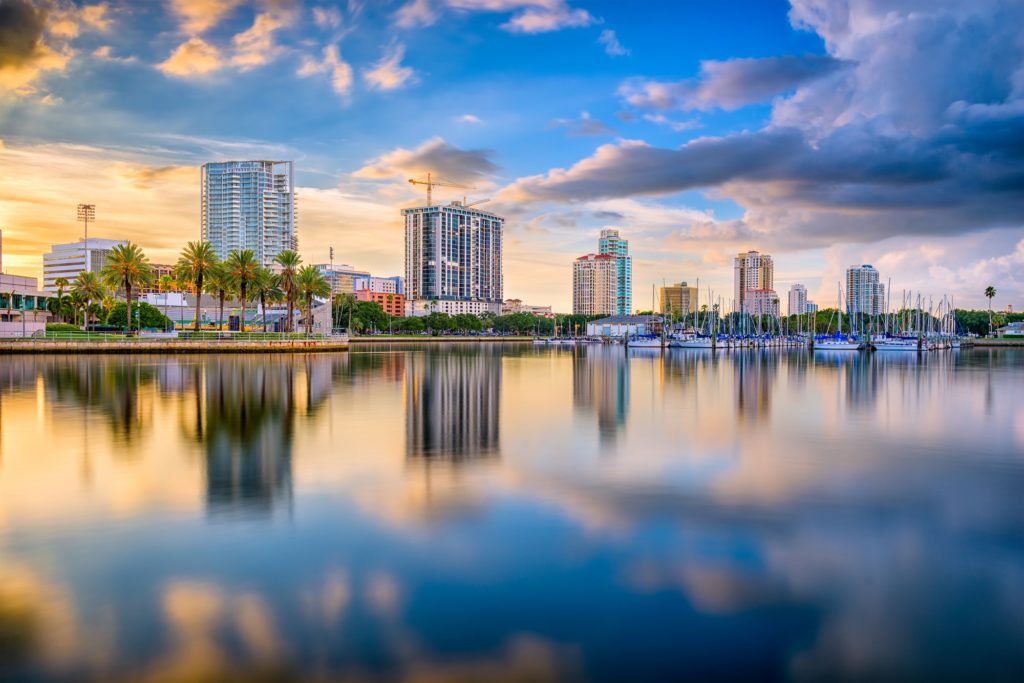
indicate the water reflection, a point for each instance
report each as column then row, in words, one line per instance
column 452, row 403
column 765, row 516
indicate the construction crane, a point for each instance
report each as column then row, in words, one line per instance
column 431, row 184
column 466, row 204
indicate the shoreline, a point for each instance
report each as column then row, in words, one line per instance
column 168, row 346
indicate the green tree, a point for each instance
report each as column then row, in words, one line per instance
column 266, row 287
column 127, row 268
column 218, row 283
column 59, row 304
column 370, row 314
column 289, row 262
column 88, row 286
column 990, row 293
column 242, row 268
column 345, row 307
column 194, row 265
column 148, row 316
column 311, row 283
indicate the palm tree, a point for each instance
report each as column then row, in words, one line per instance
column 242, row 267
column 990, row 292
column 58, row 306
column 311, row 283
column 126, row 269
column 266, row 288
column 165, row 285
column 346, row 305
column 289, row 262
column 194, row 265
column 218, row 283
column 88, row 286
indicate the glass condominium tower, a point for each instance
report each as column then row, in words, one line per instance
column 249, row 205
column 453, row 253
column 611, row 244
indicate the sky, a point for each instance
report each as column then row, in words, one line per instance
column 824, row 132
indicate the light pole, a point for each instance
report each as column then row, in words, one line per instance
column 86, row 213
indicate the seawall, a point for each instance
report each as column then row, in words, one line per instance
column 158, row 346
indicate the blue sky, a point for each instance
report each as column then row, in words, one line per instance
column 823, row 132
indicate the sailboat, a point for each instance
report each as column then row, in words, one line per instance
column 838, row 342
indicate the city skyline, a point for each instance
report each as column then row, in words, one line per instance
column 831, row 149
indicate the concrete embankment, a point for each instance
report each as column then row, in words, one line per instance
column 426, row 339
column 999, row 343
column 160, row 346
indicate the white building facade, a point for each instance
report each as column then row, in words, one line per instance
column 595, row 285
column 752, row 271
column 384, row 285
column 68, row 260
column 864, row 293
column 797, row 300
column 249, row 205
column 22, row 306
column 453, row 254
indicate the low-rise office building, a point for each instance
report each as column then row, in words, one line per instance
column 393, row 304
column 619, row 326
column 22, row 306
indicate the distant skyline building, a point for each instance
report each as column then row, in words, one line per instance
column 510, row 306
column 761, row 302
column 453, row 256
column 385, row 285
column 249, row 205
column 752, row 271
column 595, row 285
column 797, row 304
column 393, row 304
column 678, row 299
column 611, row 244
column 68, row 260
column 864, row 293
column 342, row 278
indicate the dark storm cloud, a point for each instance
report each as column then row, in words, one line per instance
column 21, row 30
column 732, row 83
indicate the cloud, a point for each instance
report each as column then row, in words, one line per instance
column 530, row 16
column 677, row 126
column 106, row 52
column 388, row 73
column 24, row 52
column 339, row 70
column 194, row 57
column 469, row 118
column 197, row 16
column 585, row 125
column 256, row 45
column 327, row 17
column 611, row 43
column 436, row 156
column 415, row 13
column 731, row 84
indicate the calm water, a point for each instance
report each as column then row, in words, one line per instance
column 513, row 513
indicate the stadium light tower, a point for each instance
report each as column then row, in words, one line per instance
column 86, row 213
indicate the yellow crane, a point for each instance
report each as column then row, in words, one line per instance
column 431, row 183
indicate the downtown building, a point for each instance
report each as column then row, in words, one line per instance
column 68, row 260
column 798, row 303
column 864, row 293
column 595, row 285
column 453, row 260
column 678, row 299
column 611, row 244
column 754, row 284
column 249, row 205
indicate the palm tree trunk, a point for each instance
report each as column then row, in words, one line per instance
column 290, row 325
column 263, row 307
column 128, row 296
column 309, row 314
column 220, row 313
column 199, row 294
column 241, row 326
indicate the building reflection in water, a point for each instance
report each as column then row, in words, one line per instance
column 247, row 415
column 600, row 383
column 755, row 372
column 452, row 403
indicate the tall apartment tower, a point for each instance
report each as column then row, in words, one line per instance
column 797, row 300
column 249, row 205
column 864, row 293
column 453, row 257
column 612, row 244
column 595, row 285
column 752, row 271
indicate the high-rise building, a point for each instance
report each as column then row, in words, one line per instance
column 752, row 271
column 797, row 300
column 595, row 285
column 612, row 244
column 761, row 302
column 678, row 299
column 864, row 293
column 68, row 260
column 454, row 253
column 249, row 205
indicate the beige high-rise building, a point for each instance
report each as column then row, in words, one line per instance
column 678, row 299
column 752, row 271
column 595, row 285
